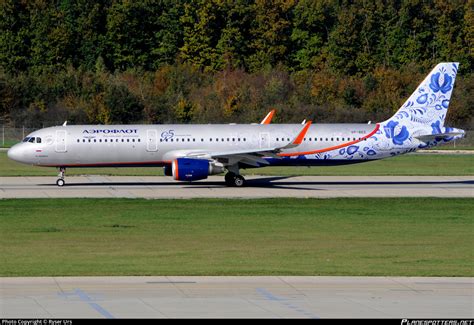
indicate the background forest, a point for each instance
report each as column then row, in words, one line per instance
column 202, row 61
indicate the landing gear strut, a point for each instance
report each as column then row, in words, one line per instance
column 60, row 182
column 232, row 179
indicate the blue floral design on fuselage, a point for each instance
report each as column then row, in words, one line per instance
column 352, row 150
column 445, row 87
column 371, row 152
column 436, row 128
column 390, row 133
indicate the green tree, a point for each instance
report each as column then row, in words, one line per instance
column 233, row 45
column 270, row 32
column 311, row 22
column 123, row 106
column 14, row 36
column 344, row 41
column 142, row 34
column 202, row 22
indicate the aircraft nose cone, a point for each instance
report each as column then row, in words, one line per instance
column 14, row 153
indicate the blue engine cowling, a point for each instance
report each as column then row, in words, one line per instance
column 187, row 169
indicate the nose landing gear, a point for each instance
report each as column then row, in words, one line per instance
column 60, row 181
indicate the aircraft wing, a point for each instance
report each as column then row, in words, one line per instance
column 253, row 157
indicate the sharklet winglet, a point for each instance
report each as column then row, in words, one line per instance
column 269, row 117
column 299, row 138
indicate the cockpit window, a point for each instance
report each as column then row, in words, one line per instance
column 32, row 139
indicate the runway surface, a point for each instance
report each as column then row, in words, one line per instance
column 269, row 297
column 257, row 187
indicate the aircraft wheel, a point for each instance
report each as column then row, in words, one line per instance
column 60, row 182
column 239, row 181
column 229, row 179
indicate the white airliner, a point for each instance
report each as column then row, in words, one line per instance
column 193, row 152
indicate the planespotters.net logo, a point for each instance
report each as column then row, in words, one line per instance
column 437, row 322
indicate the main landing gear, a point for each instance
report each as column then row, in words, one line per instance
column 60, row 182
column 234, row 180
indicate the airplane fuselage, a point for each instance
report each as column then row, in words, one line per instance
column 159, row 145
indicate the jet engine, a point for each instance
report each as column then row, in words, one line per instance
column 189, row 169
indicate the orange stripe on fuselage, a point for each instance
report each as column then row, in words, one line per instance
column 304, row 153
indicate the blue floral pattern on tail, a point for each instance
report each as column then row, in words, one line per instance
column 445, row 87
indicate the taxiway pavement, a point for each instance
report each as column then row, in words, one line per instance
column 267, row 296
column 152, row 187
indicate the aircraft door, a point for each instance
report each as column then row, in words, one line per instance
column 60, row 141
column 264, row 140
column 151, row 142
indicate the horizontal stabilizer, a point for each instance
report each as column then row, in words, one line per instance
column 432, row 137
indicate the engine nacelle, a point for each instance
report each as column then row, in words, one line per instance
column 189, row 169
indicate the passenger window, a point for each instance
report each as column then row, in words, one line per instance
column 77, row 140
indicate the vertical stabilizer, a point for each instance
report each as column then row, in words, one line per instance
column 430, row 101
column 425, row 110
